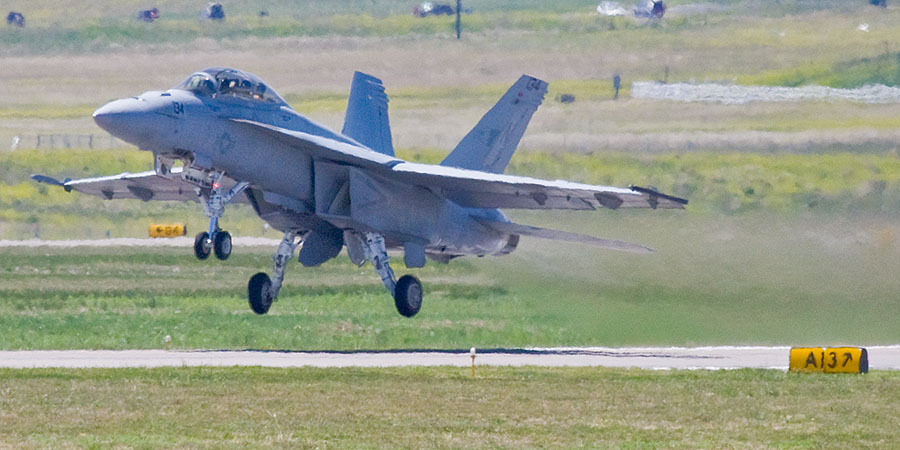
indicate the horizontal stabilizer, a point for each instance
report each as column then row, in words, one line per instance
column 543, row 233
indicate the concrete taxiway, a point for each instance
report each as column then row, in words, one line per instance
column 185, row 242
column 712, row 358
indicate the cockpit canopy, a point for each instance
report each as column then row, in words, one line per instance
column 219, row 82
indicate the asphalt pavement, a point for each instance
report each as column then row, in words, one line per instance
column 712, row 358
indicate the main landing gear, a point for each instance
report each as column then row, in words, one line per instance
column 216, row 240
column 407, row 292
column 262, row 290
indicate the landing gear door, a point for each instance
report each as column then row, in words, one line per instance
column 164, row 167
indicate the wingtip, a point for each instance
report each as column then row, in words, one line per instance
column 675, row 202
column 47, row 180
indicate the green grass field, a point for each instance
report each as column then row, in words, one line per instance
column 830, row 281
column 445, row 408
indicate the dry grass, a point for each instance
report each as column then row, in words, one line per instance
column 745, row 39
column 425, row 113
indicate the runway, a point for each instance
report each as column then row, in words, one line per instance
column 710, row 358
column 185, row 242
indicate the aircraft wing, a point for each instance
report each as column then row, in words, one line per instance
column 144, row 186
column 472, row 188
column 487, row 190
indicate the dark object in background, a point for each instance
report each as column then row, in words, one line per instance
column 565, row 98
column 148, row 15
column 881, row 3
column 659, row 9
column 263, row 13
column 650, row 9
column 15, row 18
column 458, row 19
column 617, row 83
column 445, row 10
column 432, row 9
column 214, row 11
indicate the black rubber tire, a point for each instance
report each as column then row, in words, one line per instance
column 259, row 293
column 222, row 245
column 201, row 249
column 408, row 296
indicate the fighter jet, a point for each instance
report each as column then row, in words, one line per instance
column 224, row 136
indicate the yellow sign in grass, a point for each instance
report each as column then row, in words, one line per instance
column 846, row 360
column 807, row 359
column 166, row 230
column 829, row 360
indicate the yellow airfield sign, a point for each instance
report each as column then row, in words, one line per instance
column 166, row 230
column 829, row 360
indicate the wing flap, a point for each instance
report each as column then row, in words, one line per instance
column 557, row 235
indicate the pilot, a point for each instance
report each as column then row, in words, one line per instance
column 208, row 86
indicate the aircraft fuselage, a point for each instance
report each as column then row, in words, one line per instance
column 200, row 129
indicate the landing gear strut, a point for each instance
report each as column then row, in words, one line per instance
column 407, row 291
column 216, row 240
column 262, row 290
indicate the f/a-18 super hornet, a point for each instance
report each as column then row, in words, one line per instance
column 224, row 136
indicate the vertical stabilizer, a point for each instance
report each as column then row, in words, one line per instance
column 491, row 144
column 366, row 120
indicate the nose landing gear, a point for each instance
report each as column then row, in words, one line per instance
column 202, row 246
column 216, row 240
column 219, row 244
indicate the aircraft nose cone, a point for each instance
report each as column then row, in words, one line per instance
column 125, row 119
column 117, row 115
